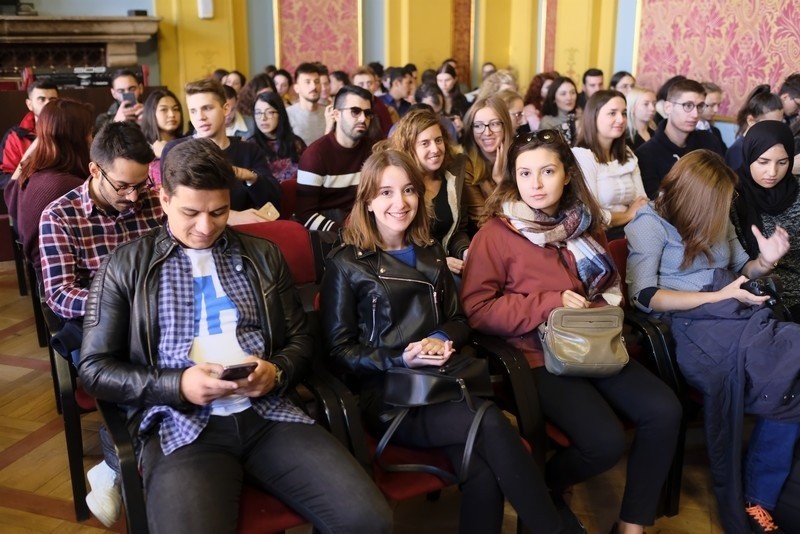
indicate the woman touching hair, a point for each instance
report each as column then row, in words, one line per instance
column 388, row 300
column 542, row 247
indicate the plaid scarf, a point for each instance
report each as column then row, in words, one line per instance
column 595, row 267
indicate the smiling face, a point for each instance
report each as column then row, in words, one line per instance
column 429, row 149
column 168, row 114
column 612, row 119
column 540, row 178
column 488, row 140
column 770, row 167
column 196, row 217
column 566, row 97
column 394, row 207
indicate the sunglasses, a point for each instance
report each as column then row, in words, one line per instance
column 356, row 112
column 544, row 136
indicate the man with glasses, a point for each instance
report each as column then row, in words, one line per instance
column 127, row 91
column 330, row 169
column 676, row 136
column 77, row 232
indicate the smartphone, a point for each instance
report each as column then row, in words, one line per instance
column 128, row 100
column 238, row 371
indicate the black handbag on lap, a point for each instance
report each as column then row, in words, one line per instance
column 461, row 378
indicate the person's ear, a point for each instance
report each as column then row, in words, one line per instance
column 667, row 107
column 29, row 104
column 163, row 197
column 94, row 170
column 750, row 121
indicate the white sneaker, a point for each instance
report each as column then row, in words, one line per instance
column 105, row 499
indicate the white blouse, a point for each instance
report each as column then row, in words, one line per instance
column 614, row 185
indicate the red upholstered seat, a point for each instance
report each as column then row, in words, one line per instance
column 294, row 241
column 288, row 198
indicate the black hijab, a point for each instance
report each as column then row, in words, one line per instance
column 755, row 200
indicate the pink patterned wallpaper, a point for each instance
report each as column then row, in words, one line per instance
column 736, row 44
column 319, row 30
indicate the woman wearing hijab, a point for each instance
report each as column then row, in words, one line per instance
column 768, row 198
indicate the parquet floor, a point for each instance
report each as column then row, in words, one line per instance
column 35, row 494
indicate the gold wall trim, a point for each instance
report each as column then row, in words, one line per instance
column 276, row 21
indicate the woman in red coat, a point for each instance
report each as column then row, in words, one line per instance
column 542, row 247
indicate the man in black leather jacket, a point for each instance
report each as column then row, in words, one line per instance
column 165, row 313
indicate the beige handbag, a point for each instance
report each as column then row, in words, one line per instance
column 584, row 342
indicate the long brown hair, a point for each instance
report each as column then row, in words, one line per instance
column 409, row 128
column 534, row 94
column 695, row 197
column 481, row 167
column 589, row 138
column 361, row 230
column 575, row 190
column 62, row 132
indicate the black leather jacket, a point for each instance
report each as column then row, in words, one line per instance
column 374, row 305
column 120, row 340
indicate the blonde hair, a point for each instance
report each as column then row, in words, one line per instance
column 361, row 230
column 633, row 98
column 492, row 84
column 404, row 137
column 696, row 198
column 481, row 167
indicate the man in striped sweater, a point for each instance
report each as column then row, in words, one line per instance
column 330, row 169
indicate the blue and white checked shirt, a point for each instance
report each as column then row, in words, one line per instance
column 176, row 316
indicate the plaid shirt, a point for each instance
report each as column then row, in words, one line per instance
column 176, row 322
column 76, row 235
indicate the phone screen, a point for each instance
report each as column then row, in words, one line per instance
column 129, row 99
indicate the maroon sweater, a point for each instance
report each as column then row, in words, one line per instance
column 26, row 205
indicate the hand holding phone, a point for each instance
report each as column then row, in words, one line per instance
column 238, row 371
column 128, row 100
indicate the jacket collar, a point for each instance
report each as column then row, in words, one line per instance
column 427, row 268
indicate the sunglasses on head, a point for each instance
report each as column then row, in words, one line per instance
column 545, row 136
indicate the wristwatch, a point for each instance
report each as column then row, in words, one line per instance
column 279, row 379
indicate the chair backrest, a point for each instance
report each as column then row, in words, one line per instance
column 288, row 198
column 295, row 243
column 618, row 249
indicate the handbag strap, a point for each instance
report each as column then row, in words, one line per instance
column 432, row 470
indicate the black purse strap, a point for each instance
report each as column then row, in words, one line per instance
column 432, row 470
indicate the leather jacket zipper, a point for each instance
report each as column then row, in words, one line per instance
column 434, row 298
column 374, row 319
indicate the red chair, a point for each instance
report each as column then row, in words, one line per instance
column 288, row 198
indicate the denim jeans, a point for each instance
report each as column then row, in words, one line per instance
column 770, row 454
column 197, row 487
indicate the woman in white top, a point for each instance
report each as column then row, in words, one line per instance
column 608, row 165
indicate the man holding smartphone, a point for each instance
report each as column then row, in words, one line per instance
column 127, row 91
column 168, row 312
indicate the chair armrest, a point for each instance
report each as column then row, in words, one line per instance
column 511, row 363
column 131, row 481
column 661, row 348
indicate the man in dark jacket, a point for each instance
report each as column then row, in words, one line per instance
column 676, row 136
column 166, row 314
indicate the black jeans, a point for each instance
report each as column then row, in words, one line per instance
column 584, row 409
column 197, row 487
column 500, row 466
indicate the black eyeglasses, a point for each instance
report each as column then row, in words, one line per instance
column 494, row 126
column 356, row 112
column 125, row 190
column 545, row 136
column 268, row 113
column 689, row 106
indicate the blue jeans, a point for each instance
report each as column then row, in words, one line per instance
column 196, row 488
column 770, row 454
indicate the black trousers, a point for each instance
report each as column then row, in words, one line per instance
column 586, row 411
column 500, row 467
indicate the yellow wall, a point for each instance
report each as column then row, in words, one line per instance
column 523, row 40
column 419, row 32
column 190, row 48
column 493, row 32
column 585, row 35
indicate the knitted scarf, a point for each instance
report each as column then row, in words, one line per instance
column 596, row 269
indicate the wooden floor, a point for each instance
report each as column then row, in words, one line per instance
column 35, row 494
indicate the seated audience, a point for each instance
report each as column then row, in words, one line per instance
column 676, row 136
column 559, row 109
column 366, row 78
column 789, row 93
column 760, row 105
column 431, row 95
column 516, row 110
column 419, row 134
column 283, row 85
column 339, row 79
column 592, row 82
column 307, row 116
column 641, row 110
column 236, row 124
column 374, row 236
column 276, row 137
column 455, row 103
column 258, row 84
column 330, row 169
column 234, row 79
column 219, row 74
column 255, row 185
column 17, row 139
column 686, row 264
column 324, row 85
column 201, row 433
column 54, row 166
column 542, row 247
column 488, row 131
column 123, row 82
column 661, row 97
column 609, row 167
column 501, row 80
column 622, row 81
column 400, row 83
column 162, row 122
column 535, row 95
column 713, row 100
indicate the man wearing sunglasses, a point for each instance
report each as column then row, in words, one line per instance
column 77, row 232
column 676, row 135
column 330, row 169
